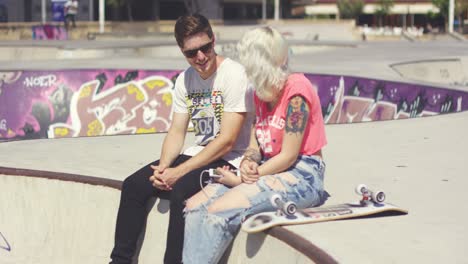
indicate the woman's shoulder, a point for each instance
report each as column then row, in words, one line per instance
column 297, row 82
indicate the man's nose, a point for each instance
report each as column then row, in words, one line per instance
column 200, row 55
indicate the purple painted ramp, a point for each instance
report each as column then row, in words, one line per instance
column 81, row 103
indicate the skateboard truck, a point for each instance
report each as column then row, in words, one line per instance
column 370, row 196
column 287, row 208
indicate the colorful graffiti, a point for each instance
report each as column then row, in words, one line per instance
column 44, row 32
column 80, row 103
column 41, row 104
column 353, row 99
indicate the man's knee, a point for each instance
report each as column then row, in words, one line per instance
column 135, row 183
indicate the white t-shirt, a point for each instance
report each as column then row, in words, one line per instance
column 227, row 90
column 71, row 7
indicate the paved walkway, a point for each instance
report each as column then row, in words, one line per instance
column 421, row 163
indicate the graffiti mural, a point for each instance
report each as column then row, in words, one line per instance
column 352, row 99
column 129, row 108
column 44, row 32
column 81, row 103
column 46, row 104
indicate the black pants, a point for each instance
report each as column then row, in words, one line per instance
column 67, row 19
column 137, row 190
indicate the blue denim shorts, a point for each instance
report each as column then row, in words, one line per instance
column 309, row 190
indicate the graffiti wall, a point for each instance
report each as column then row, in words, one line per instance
column 45, row 32
column 75, row 103
column 79, row 103
column 347, row 99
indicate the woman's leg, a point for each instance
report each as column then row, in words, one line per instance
column 210, row 229
column 183, row 189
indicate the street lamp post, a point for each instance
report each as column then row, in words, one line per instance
column 43, row 11
column 264, row 3
column 277, row 11
column 102, row 14
column 451, row 14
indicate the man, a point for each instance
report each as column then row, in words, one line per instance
column 71, row 9
column 213, row 93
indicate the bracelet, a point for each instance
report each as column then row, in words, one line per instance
column 249, row 159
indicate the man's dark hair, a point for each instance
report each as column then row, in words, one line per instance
column 190, row 25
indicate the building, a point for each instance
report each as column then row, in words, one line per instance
column 403, row 13
column 148, row 10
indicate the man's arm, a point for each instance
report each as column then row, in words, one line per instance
column 222, row 144
column 231, row 125
column 174, row 140
column 172, row 146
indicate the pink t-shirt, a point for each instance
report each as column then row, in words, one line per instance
column 269, row 126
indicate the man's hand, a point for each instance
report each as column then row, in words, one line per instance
column 172, row 175
column 157, row 180
column 229, row 178
column 249, row 172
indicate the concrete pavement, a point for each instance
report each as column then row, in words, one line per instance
column 421, row 163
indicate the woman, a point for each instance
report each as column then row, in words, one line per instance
column 284, row 156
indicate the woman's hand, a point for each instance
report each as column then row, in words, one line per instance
column 229, row 178
column 249, row 171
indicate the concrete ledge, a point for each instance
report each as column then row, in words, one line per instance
column 70, row 218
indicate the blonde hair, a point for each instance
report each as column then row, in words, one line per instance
column 264, row 53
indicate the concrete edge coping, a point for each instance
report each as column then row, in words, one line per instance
column 314, row 253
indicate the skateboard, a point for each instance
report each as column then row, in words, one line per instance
column 372, row 204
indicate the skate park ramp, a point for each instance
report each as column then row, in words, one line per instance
column 64, row 218
column 59, row 197
column 442, row 71
column 419, row 163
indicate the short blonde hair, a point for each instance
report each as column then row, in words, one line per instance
column 264, row 53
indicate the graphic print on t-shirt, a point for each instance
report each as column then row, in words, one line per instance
column 205, row 109
column 263, row 132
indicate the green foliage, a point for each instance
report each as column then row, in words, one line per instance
column 383, row 7
column 116, row 3
column 350, row 8
column 443, row 6
column 461, row 6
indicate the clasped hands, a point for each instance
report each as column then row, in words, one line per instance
column 248, row 174
column 164, row 178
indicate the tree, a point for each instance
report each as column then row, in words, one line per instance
column 383, row 9
column 461, row 8
column 350, row 9
column 209, row 8
column 119, row 3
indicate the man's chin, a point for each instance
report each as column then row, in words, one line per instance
column 204, row 69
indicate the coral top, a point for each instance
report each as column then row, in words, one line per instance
column 269, row 125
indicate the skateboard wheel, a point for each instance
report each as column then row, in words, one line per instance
column 290, row 208
column 275, row 200
column 361, row 189
column 378, row 197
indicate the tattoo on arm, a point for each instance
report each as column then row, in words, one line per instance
column 253, row 155
column 297, row 115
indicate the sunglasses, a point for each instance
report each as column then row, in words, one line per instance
column 193, row 52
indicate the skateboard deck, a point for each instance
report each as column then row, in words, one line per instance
column 371, row 205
